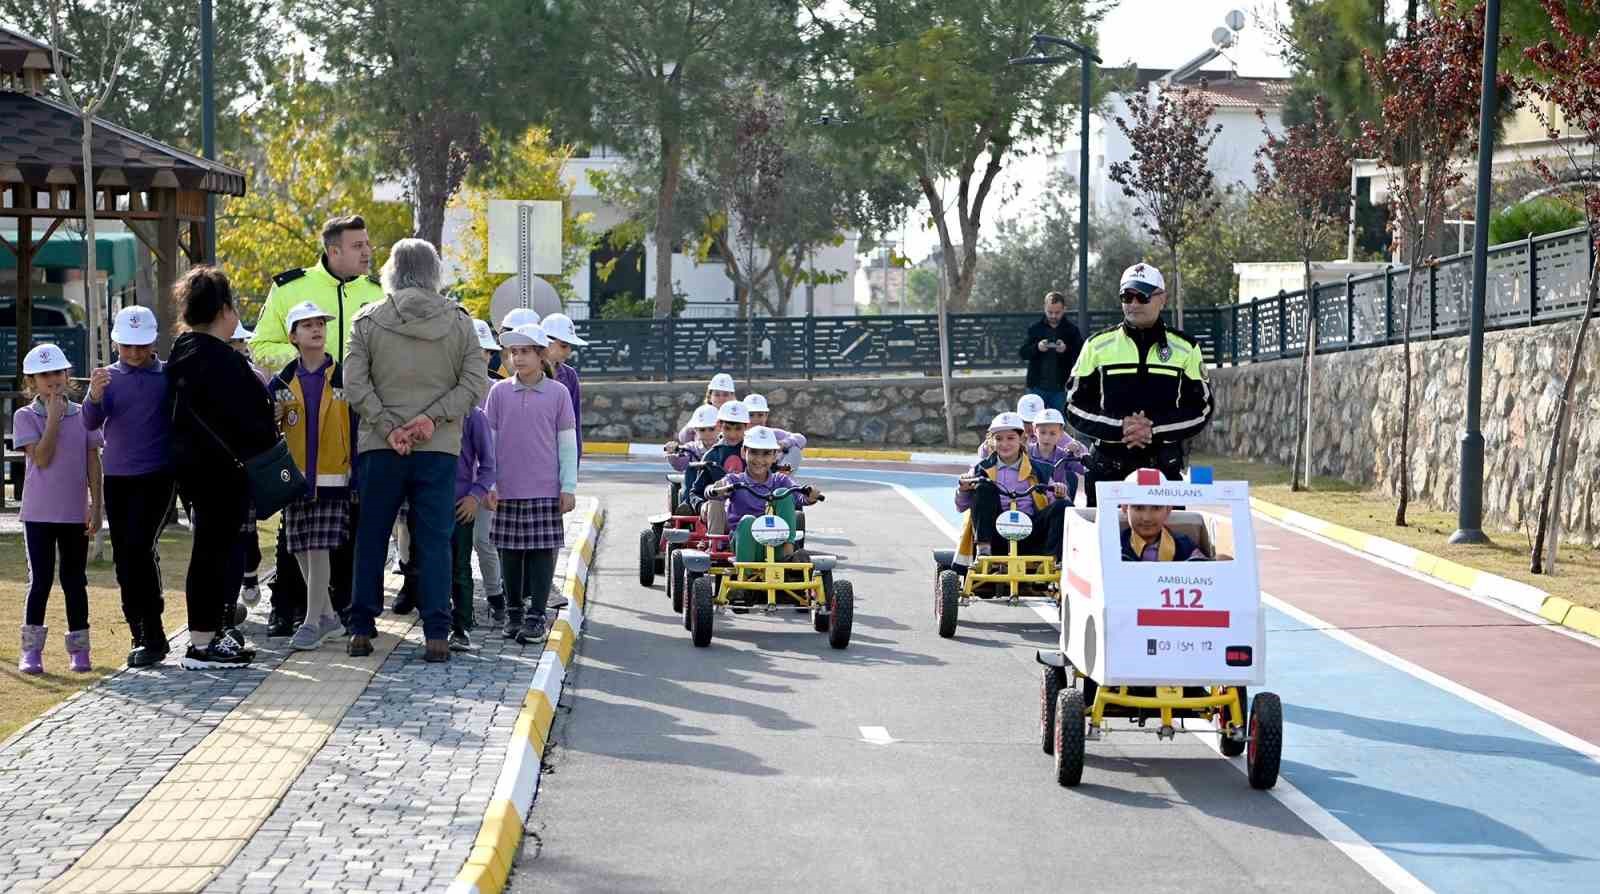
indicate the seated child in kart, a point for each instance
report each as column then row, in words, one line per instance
column 704, row 424
column 1053, row 445
column 790, row 443
column 727, row 505
column 720, row 459
column 1009, row 468
column 1029, row 406
column 1148, row 539
column 718, row 392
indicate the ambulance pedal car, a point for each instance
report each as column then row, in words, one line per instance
column 1011, row 576
column 1161, row 641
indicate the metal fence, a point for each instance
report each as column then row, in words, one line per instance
column 74, row 342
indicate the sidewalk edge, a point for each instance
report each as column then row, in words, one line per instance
column 489, row 864
column 1479, row 583
column 864, row 454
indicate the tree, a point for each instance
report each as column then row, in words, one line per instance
column 929, row 86
column 1323, row 42
column 1029, row 256
column 1567, row 75
column 159, row 91
column 1168, row 176
column 1429, row 92
column 301, row 173
column 528, row 168
column 1308, row 171
column 742, row 181
column 656, row 73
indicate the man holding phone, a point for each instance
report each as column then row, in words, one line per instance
column 1139, row 390
column 1051, row 350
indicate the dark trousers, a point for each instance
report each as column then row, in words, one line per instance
column 1047, row 525
column 216, row 564
column 461, row 576
column 528, row 574
column 45, row 541
column 1103, row 464
column 426, row 481
column 136, row 508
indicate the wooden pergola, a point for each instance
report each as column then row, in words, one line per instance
column 157, row 191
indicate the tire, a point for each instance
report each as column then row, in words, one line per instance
column 1264, row 751
column 681, row 601
column 841, row 615
column 947, row 602
column 819, row 619
column 701, row 613
column 799, row 519
column 1069, row 737
column 647, row 557
column 1050, row 686
column 1230, row 747
column 676, row 580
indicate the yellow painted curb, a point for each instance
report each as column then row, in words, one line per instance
column 562, row 641
column 1555, row 609
column 903, row 456
column 1584, row 620
column 605, row 448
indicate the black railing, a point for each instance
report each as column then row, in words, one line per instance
column 74, row 342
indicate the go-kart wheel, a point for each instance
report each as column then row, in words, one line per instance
column 700, row 610
column 1234, row 747
column 841, row 614
column 1264, row 751
column 647, row 557
column 819, row 619
column 1069, row 737
column 947, row 602
column 800, row 520
column 683, row 599
column 676, row 580
column 1055, row 679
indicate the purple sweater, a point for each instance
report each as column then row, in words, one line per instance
column 680, row 461
column 742, row 502
column 137, row 432
column 475, row 466
column 568, row 376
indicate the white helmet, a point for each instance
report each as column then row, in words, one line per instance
column 519, row 316
column 733, row 411
column 135, row 325
column 240, row 333
column 1049, row 416
column 305, row 310
column 485, row 335
column 560, row 326
column 526, row 334
column 44, row 358
column 1006, row 422
column 756, row 403
column 721, row 382
column 705, row 416
column 1028, row 406
column 760, row 438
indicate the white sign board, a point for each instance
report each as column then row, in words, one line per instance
column 524, row 236
column 1193, row 623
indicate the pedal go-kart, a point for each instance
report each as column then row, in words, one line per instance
column 1011, row 576
column 1164, row 641
column 754, row 576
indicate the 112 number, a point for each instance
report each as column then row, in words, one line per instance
column 1181, row 598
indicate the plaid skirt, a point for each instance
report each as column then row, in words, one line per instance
column 527, row 524
column 322, row 522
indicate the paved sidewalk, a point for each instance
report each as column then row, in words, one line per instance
column 308, row 771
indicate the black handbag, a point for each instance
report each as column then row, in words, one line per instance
column 275, row 481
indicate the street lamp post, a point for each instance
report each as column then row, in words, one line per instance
column 1086, row 57
column 1469, row 517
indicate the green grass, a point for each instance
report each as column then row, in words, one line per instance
column 22, row 697
column 1577, row 576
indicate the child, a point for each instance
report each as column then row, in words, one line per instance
column 721, row 459
column 563, row 337
column 1029, row 406
column 475, row 476
column 729, row 506
column 60, row 505
column 1008, row 468
column 516, row 316
column 789, row 442
column 319, row 427
column 704, row 425
column 718, row 392
column 536, row 477
column 1053, row 446
column 488, row 556
column 1147, row 538
column 125, row 401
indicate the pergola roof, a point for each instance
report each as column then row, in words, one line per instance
column 19, row 51
column 43, row 140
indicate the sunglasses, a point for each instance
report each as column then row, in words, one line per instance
column 1132, row 296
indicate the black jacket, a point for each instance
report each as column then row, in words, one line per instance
column 719, row 461
column 1048, row 370
column 210, row 380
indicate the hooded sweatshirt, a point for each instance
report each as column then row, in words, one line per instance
column 209, row 379
column 413, row 354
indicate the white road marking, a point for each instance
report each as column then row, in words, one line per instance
column 1270, row 549
column 877, row 735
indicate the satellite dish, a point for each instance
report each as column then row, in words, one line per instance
column 1222, row 38
column 1235, row 20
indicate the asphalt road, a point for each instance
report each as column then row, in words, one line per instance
column 745, row 766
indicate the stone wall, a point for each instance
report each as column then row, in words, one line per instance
column 899, row 412
column 1356, row 421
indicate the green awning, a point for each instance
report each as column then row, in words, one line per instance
column 65, row 251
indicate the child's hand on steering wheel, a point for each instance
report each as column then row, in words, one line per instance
column 1059, row 489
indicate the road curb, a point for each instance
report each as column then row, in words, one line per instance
column 862, row 454
column 495, row 849
column 1479, row 583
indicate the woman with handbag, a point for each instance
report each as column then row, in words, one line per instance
column 221, row 426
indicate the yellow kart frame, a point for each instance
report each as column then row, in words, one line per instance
column 1010, row 572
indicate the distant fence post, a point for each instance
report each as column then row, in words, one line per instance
column 1433, row 298
column 1388, row 303
column 672, row 343
column 809, row 355
column 1255, row 331
column 1314, row 312
column 1533, row 279
column 1283, row 324
column 1349, row 311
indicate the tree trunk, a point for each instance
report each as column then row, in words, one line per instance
column 671, row 172
column 1563, row 410
column 430, row 193
column 1405, row 397
column 1177, row 290
column 1300, row 474
column 93, row 309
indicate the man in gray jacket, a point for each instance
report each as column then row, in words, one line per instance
column 412, row 372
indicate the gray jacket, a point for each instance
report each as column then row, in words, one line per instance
column 413, row 354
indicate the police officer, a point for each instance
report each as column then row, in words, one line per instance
column 340, row 284
column 1139, row 389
